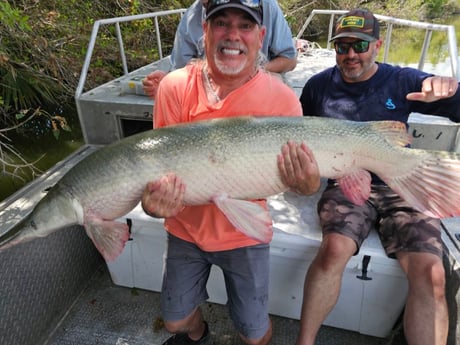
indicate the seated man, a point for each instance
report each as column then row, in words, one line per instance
column 359, row 88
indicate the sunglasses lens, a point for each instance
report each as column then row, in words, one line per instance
column 359, row 47
column 341, row 48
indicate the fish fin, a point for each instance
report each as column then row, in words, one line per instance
column 432, row 187
column 248, row 217
column 394, row 132
column 356, row 186
column 109, row 237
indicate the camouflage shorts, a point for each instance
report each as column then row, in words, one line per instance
column 400, row 227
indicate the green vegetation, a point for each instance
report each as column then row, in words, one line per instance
column 43, row 45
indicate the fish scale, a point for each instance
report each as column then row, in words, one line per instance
column 229, row 161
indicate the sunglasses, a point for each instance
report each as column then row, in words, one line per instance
column 255, row 4
column 359, row 47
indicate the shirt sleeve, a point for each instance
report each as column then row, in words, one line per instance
column 313, row 93
column 167, row 107
column 188, row 41
column 278, row 40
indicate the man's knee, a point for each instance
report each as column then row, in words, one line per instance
column 427, row 270
column 335, row 251
column 437, row 278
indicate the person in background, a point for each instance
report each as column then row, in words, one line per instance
column 227, row 82
column 360, row 89
column 278, row 47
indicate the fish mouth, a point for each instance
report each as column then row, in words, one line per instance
column 7, row 238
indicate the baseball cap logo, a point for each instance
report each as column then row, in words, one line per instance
column 352, row 22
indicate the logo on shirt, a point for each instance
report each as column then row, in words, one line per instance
column 389, row 104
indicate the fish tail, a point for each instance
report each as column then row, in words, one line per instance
column 432, row 187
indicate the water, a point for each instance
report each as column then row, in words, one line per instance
column 41, row 144
column 37, row 144
column 407, row 44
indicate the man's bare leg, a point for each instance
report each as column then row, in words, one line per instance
column 426, row 319
column 322, row 284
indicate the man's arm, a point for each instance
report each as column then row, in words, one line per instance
column 280, row 64
column 438, row 95
column 435, row 88
column 278, row 43
column 151, row 83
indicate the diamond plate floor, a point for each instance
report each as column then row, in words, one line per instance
column 39, row 281
column 106, row 314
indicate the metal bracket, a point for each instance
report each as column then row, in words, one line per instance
column 363, row 276
column 129, row 222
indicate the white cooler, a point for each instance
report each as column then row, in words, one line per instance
column 372, row 295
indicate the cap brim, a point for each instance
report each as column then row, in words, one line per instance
column 360, row 35
column 249, row 11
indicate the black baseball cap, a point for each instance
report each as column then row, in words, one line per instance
column 358, row 23
column 251, row 7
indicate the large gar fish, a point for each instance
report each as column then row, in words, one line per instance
column 229, row 161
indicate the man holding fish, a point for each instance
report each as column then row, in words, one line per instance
column 227, row 82
column 360, row 89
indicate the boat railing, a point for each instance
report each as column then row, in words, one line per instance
column 119, row 35
column 390, row 22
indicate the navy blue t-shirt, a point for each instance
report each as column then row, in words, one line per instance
column 382, row 97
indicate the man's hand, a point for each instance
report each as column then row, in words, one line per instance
column 151, row 83
column 164, row 197
column 435, row 88
column 299, row 169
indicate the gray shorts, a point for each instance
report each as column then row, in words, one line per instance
column 246, row 274
column 401, row 228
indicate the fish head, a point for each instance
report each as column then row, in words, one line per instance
column 54, row 212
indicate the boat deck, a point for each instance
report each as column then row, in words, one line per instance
column 106, row 314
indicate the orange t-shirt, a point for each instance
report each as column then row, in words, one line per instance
column 181, row 97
